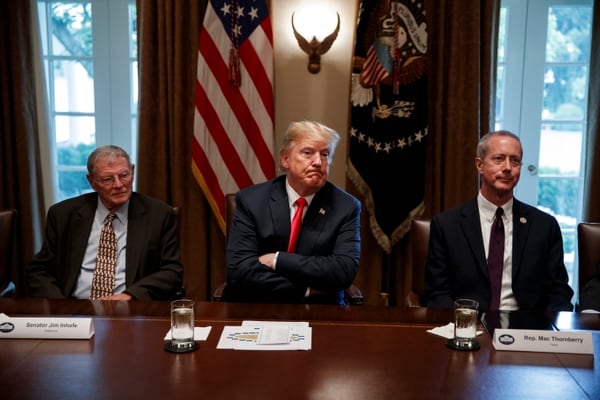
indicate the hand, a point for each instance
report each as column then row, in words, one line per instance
column 120, row 296
column 267, row 260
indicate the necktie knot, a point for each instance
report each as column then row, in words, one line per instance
column 109, row 218
column 499, row 212
column 300, row 203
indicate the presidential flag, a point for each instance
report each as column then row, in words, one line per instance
column 233, row 122
column 389, row 115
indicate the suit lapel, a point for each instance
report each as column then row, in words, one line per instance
column 280, row 209
column 471, row 226
column 521, row 227
column 316, row 219
column 137, row 222
column 80, row 227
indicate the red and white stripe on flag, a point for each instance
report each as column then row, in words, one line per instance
column 373, row 70
column 233, row 121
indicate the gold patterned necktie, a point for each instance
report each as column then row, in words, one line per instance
column 103, row 282
column 296, row 223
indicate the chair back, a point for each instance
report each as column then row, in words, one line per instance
column 588, row 247
column 8, row 233
column 419, row 245
column 229, row 211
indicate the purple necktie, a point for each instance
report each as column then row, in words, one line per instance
column 496, row 259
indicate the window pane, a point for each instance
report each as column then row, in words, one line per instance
column 500, row 86
column 75, row 130
column 133, row 51
column 568, row 34
column 558, row 196
column 72, row 159
column 92, row 82
column 134, row 86
column 502, row 35
column 72, row 29
column 560, row 149
column 565, row 92
column 72, row 182
column 73, row 87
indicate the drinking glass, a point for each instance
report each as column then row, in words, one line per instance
column 182, row 326
column 465, row 325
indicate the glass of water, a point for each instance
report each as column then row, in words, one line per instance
column 465, row 325
column 182, row 326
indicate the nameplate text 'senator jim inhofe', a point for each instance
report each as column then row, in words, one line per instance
column 45, row 328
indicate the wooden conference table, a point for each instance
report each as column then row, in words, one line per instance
column 357, row 353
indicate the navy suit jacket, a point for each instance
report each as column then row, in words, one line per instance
column 327, row 252
column 153, row 269
column 457, row 266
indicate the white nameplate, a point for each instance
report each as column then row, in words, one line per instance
column 45, row 328
column 543, row 341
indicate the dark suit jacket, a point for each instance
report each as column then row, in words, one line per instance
column 457, row 266
column 153, row 269
column 589, row 298
column 327, row 253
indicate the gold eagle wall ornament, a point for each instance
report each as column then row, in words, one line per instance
column 314, row 48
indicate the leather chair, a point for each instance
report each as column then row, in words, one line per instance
column 229, row 210
column 588, row 247
column 353, row 294
column 8, row 233
column 418, row 245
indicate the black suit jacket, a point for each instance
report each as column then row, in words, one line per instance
column 153, row 268
column 457, row 266
column 589, row 298
column 327, row 253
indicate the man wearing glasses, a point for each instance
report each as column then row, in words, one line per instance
column 142, row 261
column 499, row 251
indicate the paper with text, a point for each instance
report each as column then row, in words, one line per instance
column 265, row 335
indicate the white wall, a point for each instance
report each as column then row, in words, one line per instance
column 323, row 97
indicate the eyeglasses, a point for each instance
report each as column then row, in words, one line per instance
column 500, row 159
column 124, row 177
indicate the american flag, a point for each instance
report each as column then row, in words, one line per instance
column 233, row 124
column 377, row 64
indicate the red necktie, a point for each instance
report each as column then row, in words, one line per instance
column 496, row 259
column 296, row 223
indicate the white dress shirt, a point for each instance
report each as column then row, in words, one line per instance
column 487, row 213
column 83, row 287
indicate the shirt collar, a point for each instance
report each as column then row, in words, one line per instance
column 293, row 195
column 488, row 209
column 121, row 213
